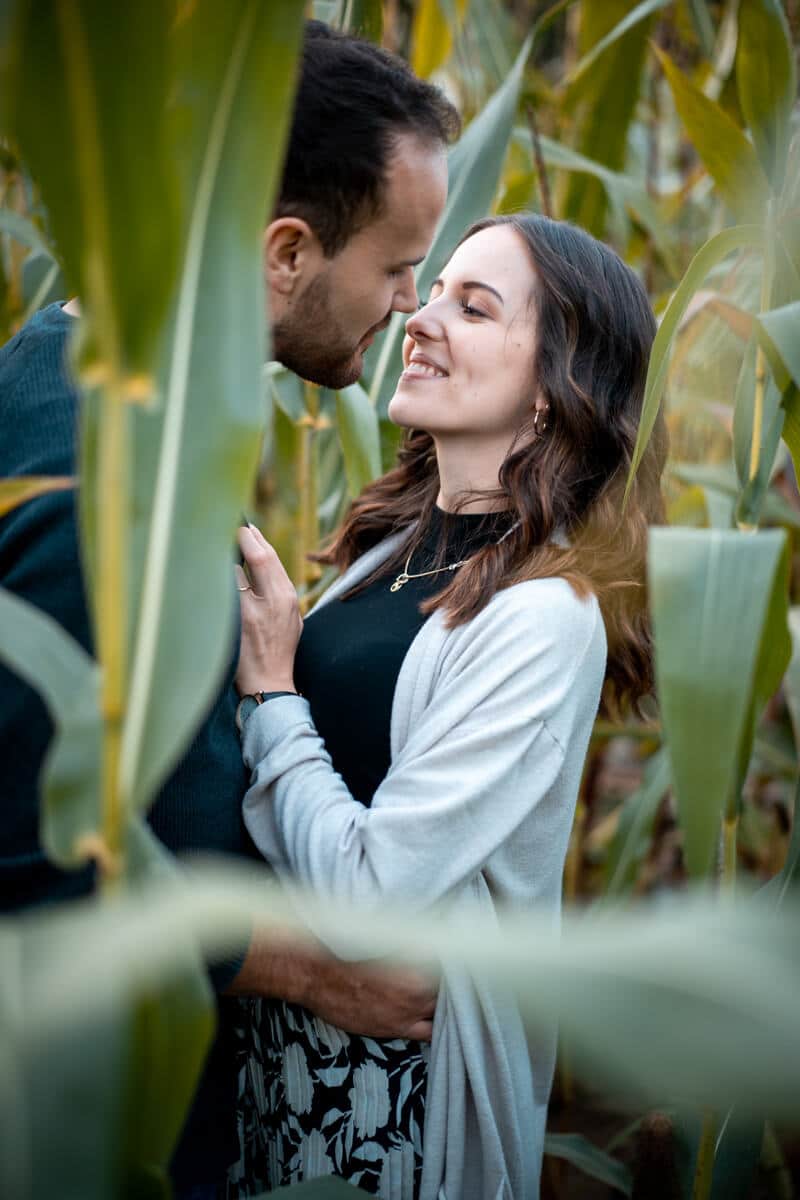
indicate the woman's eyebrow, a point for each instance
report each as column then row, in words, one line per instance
column 473, row 283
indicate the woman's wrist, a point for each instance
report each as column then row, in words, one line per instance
column 265, row 685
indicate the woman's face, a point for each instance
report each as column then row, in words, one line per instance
column 468, row 353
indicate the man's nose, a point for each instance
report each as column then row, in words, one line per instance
column 405, row 298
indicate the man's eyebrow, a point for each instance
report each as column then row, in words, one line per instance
column 474, row 283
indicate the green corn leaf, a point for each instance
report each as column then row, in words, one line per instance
column 712, row 252
column 474, row 167
column 171, row 1030
column 23, row 230
column 80, row 91
column 766, row 77
column 719, row 612
column 236, row 63
column 635, row 826
column 625, row 196
column 724, row 150
column 711, row 1017
column 359, row 435
column 603, row 100
column 364, row 18
column 36, row 647
column 319, row 1189
column 645, row 9
column 579, row 1152
column 703, row 26
column 779, row 334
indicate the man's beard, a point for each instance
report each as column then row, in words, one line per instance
column 311, row 344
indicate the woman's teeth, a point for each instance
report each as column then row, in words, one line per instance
column 425, row 371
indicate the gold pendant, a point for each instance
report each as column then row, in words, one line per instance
column 402, row 579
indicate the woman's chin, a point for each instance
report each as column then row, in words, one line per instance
column 399, row 411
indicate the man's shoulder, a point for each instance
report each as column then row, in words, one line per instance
column 37, row 345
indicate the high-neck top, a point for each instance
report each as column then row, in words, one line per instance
column 351, row 651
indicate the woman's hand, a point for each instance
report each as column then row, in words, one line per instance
column 271, row 621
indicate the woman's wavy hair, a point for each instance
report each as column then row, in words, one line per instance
column 594, row 329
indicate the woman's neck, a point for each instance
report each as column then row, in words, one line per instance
column 465, row 469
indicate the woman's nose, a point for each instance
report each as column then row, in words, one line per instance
column 425, row 323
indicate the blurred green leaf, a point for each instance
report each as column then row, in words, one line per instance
column 579, row 1152
column 288, row 392
column 719, row 612
column 474, row 167
column 23, row 230
column 17, row 490
column 711, row 1017
column 172, row 1026
column 645, row 8
column 766, row 77
column 703, row 25
column 364, row 18
column 712, row 252
column 724, row 150
column 603, row 99
column 36, row 647
column 432, row 34
column 736, row 1153
column 319, row 1189
column 359, row 435
column 42, row 283
column 792, row 680
column 751, row 500
column 82, row 91
column 235, row 73
column 634, row 829
column 624, row 194
column 779, row 334
column 721, row 478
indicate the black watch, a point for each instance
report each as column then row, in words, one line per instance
column 246, row 707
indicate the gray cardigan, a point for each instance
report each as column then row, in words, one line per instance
column 489, row 729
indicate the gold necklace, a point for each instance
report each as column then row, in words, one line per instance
column 403, row 578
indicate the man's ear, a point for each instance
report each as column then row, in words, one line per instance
column 292, row 256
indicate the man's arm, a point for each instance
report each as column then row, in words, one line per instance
column 361, row 998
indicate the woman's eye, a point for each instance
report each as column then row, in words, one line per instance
column 470, row 311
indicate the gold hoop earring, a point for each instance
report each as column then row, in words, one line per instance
column 540, row 412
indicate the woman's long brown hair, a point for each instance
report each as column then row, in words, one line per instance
column 594, row 329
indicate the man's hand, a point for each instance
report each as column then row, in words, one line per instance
column 361, row 998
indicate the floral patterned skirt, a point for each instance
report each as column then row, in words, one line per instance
column 316, row 1101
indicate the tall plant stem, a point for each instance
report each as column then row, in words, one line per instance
column 730, row 830
column 106, row 371
column 761, row 362
column 306, row 538
column 112, row 489
column 704, row 1168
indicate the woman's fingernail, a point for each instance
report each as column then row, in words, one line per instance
column 257, row 534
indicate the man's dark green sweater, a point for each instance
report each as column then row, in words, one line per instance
column 199, row 808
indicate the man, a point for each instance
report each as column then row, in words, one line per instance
column 364, row 185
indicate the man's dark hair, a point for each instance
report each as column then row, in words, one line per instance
column 353, row 100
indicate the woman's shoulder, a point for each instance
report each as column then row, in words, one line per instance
column 550, row 604
column 531, row 622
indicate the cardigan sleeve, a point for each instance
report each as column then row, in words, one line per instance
column 488, row 746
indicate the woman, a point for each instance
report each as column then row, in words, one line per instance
column 490, row 583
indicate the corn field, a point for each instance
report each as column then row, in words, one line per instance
column 671, row 130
